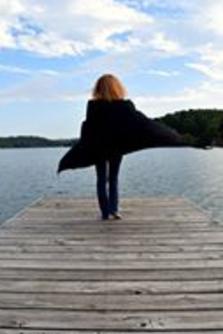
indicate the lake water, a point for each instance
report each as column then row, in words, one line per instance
column 26, row 174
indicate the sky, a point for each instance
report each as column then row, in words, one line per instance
column 168, row 54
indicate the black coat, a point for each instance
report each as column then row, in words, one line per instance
column 113, row 128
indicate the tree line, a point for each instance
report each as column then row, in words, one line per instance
column 199, row 127
column 32, row 141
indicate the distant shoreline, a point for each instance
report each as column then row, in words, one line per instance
column 33, row 142
column 41, row 142
column 13, row 147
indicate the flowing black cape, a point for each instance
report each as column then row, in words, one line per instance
column 113, row 128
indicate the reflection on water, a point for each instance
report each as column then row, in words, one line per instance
column 26, row 174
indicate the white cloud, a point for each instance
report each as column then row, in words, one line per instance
column 162, row 43
column 205, row 95
column 9, row 12
column 161, row 4
column 210, row 62
column 55, row 28
column 27, row 71
column 71, row 27
column 6, row 40
column 162, row 73
column 49, row 45
column 42, row 88
column 212, row 16
column 210, row 53
column 212, row 72
column 14, row 69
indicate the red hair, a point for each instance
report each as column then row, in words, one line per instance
column 108, row 87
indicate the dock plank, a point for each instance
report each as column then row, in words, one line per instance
column 114, row 320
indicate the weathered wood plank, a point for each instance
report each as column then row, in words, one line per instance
column 62, row 331
column 108, row 242
column 133, row 210
column 211, row 236
column 46, row 274
column 104, row 264
column 98, row 224
column 115, row 287
column 90, row 255
column 112, row 320
column 137, row 302
column 39, row 225
column 67, row 201
column 62, row 247
column 131, row 216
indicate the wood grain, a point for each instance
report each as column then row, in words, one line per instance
column 63, row 270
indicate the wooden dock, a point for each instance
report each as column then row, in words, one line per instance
column 159, row 270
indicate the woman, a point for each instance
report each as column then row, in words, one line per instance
column 108, row 88
column 114, row 127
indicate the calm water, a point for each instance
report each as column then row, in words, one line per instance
column 26, row 174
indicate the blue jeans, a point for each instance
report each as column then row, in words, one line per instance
column 107, row 173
